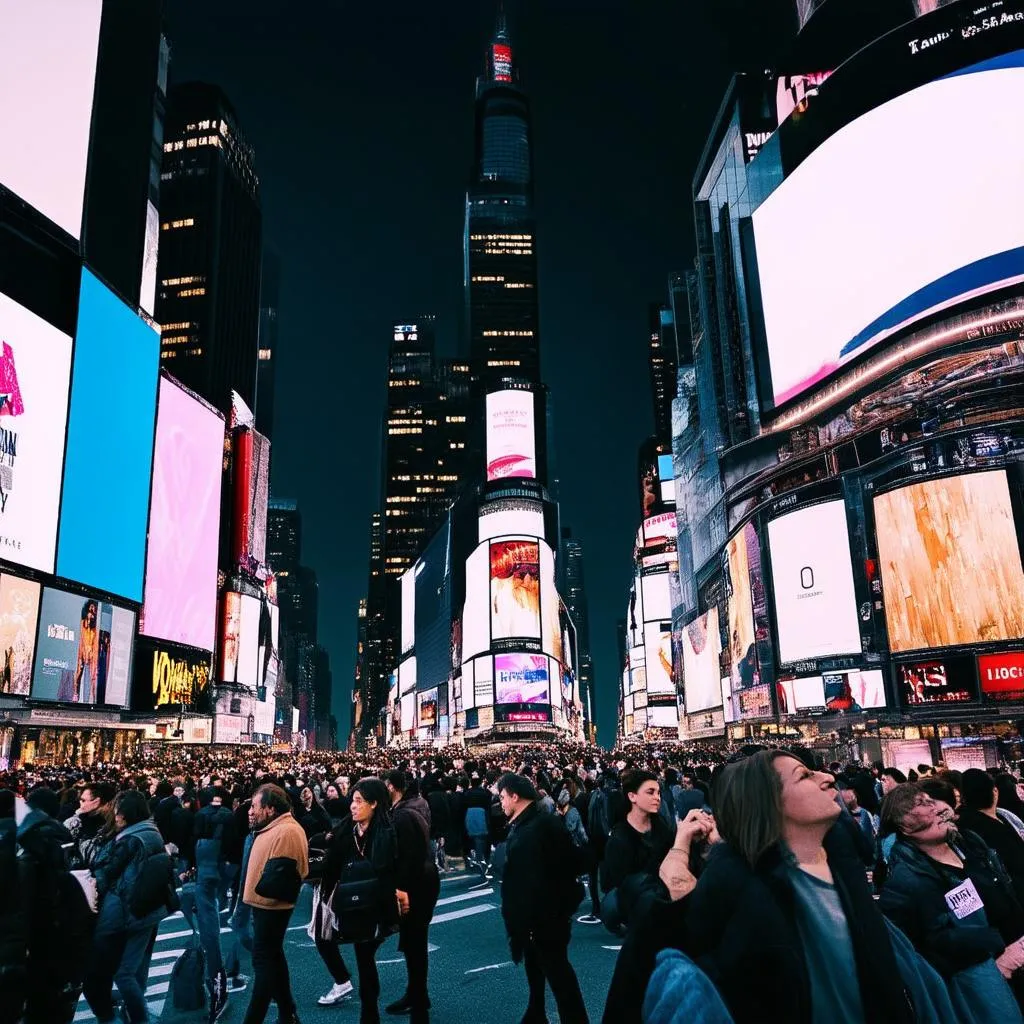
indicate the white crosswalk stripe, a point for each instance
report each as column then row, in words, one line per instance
column 164, row 959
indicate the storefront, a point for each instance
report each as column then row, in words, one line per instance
column 45, row 737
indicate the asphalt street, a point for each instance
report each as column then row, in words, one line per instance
column 472, row 978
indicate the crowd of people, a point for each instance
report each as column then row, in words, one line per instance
column 745, row 885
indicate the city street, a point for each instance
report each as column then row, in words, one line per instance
column 471, row 976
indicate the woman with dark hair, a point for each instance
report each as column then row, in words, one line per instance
column 1009, row 798
column 948, row 892
column 123, row 942
column 359, row 871
column 312, row 816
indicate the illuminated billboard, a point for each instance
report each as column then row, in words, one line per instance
column 476, row 615
column 249, row 641
column 702, row 650
column 168, row 678
column 949, row 680
column 812, row 577
column 521, row 679
column 657, row 597
column 804, row 694
column 658, row 648
column 829, row 291
column 515, row 589
column 511, row 439
column 666, row 479
column 950, row 564
column 229, row 641
column 857, row 690
column 408, row 610
column 428, row 709
column 83, row 650
column 184, row 521
column 551, row 627
column 659, row 529
column 19, row 614
column 743, row 554
column 1001, row 675
column 104, row 509
column 252, row 494
column 526, row 519
column 48, row 53
column 35, row 367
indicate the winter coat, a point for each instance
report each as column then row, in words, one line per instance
column 914, row 900
column 281, row 838
column 116, row 867
column 381, row 850
column 1000, row 835
column 440, row 814
column 627, row 854
column 211, row 826
column 86, row 829
column 14, row 922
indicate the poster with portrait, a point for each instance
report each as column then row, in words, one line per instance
column 515, row 589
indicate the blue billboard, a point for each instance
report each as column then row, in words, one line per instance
column 109, row 459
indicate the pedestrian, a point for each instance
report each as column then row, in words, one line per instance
column 418, row 887
column 277, row 864
column 135, row 883
column 95, row 814
column 358, row 891
column 980, row 814
column 539, row 893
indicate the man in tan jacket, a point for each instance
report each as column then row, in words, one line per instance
column 278, row 863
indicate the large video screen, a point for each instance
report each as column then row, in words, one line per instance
column 252, row 494
column 83, row 650
column 702, row 650
column 19, row 613
column 511, row 438
column 105, row 506
column 48, row 51
column 951, row 568
column 526, row 521
column 249, row 641
column 476, row 615
column 521, row 679
column 184, row 521
column 515, row 589
column 232, row 616
column 658, row 648
column 35, row 369
column 743, row 554
column 951, row 680
column 829, row 291
column 859, row 690
column 168, row 678
column 551, row 627
column 408, row 615
column 812, row 576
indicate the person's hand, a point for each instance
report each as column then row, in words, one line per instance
column 696, row 825
column 1011, row 959
column 403, row 902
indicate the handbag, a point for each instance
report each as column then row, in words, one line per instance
column 355, row 902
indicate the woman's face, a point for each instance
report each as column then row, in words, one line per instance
column 928, row 821
column 362, row 810
column 888, row 784
column 119, row 822
column 306, row 796
column 808, row 797
column 332, row 792
column 647, row 797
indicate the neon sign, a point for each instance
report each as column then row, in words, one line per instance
column 501, row 57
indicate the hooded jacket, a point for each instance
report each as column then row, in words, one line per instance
column 116, row 867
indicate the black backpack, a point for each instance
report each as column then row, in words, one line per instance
column 154, row 886
column 187, row 989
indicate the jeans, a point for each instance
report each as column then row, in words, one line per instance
column 208, row 921
column 121, row 958
column 271, row 982
column 482, row 851
column 546, row 958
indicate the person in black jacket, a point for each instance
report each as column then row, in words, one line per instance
column 365, row 836
column 419, row 886
column 979, row 814
column 440, row 824
column 14, row 917
column 539, row 894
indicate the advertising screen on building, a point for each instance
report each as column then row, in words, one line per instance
column 666, row 479
column 169, row 678
column 511, row 438
column 251, row 495
column 521, row 679
column 702, row 650
column 951, row 568
column 428, row 709
column 859, row 690
column 812, row 576
column 658, row 647
column 659, row 529
column 184, row 521
column 105, row 505
column 949, row 236
column 805, row 694
column 938, row 681
column 19, row 614
column 1001, row 675
column 743, row 554
column 35, row 368
column 526, row 520
column 83, row 650
column 551, row 628
column 249, row 641
column 408, row 610
column 48, row 51
column 476, row 614
column 657, row 596
column 515, row 589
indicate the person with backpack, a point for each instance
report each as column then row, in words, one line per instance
column 604, row 811
column 135, row 883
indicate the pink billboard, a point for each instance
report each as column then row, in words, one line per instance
column 180, row 601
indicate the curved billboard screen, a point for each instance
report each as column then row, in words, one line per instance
column 702, row 648
column 515, row 589
column 950, row 563
column 829, row 291
column 511, row 442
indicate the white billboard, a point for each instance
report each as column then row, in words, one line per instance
column 48, row 51
column 35, row 367
column 516, row 522
column 511, row 439
column 408, row 610
column 658, row 646
column 702, row 658
column 551, row 630
column 903, row 239
column 812, row 576
column 476, row 614
column 249, row 641
column 657, row 597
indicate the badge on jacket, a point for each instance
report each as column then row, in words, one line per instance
column 964, row 900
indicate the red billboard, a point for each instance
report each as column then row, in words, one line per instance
column 1002, row 675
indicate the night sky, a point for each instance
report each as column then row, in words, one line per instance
column 361, row 115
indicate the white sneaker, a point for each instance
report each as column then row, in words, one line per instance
column 588, row 919
column 337, row 994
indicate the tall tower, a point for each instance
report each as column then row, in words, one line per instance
column 662, row 365
column 208, row 273
column 499, row 245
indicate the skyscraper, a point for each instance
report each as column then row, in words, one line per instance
column 662, row 363
column 208, row 272
column 499, row 245
column 574, row 589
column 266, row 366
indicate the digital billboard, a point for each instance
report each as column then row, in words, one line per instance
column 659, row 529
column 35, row 368
column 408, row 617
column 812, row 577
column 19, row 614
column 249, row 641
column 476, row 614
column 658, row 647
column 949, row 680
column 108, row 465
column 252, row 494
column 515, row 589
column 511, row 438
column 83, row 650
column 521, row 679
column 858, row 690
column 184, row 521
column 168, row 678
column 428, row 709
column 551, row 628
column 657, row 597
column 48, row 53
column 525, row 520
column 232, row 616
column 702, row 650
column 1001, row 675
column 950, row 564
column 804, row 694
column 743, row 555
column 948, row 236
column 666, row 479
